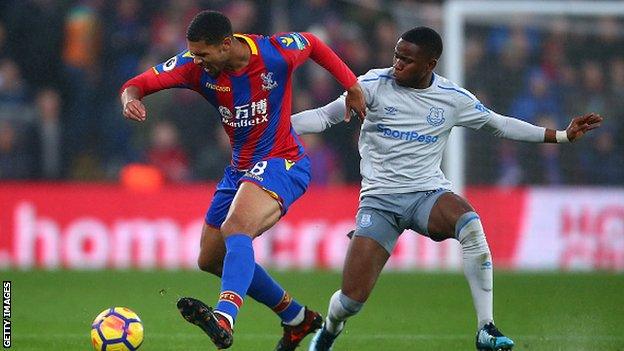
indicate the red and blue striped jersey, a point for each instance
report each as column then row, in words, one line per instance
column 255, row 102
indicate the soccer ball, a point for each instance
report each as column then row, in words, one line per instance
column 117, row 329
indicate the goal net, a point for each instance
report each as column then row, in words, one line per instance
column 543, row 62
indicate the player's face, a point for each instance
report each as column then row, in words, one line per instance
column 211, row 58
column 412, row 65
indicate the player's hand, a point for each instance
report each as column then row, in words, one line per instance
column 355, row 102
column 579, row 126
column 135, row 110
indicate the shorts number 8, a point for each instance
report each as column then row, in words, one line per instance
column 259, row 168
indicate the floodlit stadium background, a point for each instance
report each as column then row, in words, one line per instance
column 82, row 187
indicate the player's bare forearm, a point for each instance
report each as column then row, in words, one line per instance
column 550, row 136
column 130, row 93
column 578, row 127
column 356, row 102
column 131, row 103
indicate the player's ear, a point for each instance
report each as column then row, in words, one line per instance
column 226, row 44
column 433, row 63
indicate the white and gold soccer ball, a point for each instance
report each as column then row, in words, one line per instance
column 117, row 329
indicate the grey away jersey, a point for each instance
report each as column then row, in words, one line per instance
column 405, row 131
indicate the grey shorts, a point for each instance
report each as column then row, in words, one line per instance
column 383, row 217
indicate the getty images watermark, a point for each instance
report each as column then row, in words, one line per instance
column 6, row 314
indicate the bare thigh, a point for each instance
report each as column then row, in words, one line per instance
column 252, row 212
column 444, row 214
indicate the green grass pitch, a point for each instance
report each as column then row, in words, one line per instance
column 407, row 311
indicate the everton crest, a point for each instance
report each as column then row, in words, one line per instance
column 436, row 116
column 365, row 220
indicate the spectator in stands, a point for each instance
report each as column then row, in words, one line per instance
column 12, row 85
column 567, row 88
column 168, row 25
column 553, row 50
column 386, row 32
column 166, row 153
column 45, row 136
column 3, row 39
column 474, row 55
column 608, row 42
column 244, row 16
column 603, row 165
column 212, row 159
column 14, row 162
column 304, row 15
column 14, row 98
column 126, row 38
column 35, row 33
column 82, row 69
column 323, row 159
column 617, row 80
column 321, row 86
column 537, row 99
column 593, row 86
column 509, row 66
column 616, row 100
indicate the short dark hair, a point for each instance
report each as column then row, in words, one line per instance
column 426, row 38
column 210, row 26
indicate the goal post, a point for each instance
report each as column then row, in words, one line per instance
column 455, row 15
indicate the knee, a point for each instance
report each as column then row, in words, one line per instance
column 210, row 265
column 469, row 231
column 236, row 223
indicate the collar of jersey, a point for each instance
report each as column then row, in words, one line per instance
column 250, row 42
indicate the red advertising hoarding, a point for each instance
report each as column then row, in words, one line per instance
column 95, row 226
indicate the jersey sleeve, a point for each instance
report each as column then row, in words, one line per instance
column 298, row 47
column 319, row 119
column 177, row 72
column 514, row 129
column 471, row 113
column 367, row 82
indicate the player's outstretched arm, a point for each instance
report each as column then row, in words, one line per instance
column 133, row 108
column 515, row 129
column 177, row 72
column 578, row 127
column 319, row 119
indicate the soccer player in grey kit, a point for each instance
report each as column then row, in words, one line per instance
column 411, row 111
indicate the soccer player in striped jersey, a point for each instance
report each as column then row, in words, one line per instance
column 248, row 78
column 411, row 111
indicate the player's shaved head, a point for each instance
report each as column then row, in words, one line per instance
column 209, row 26
column 426, row 38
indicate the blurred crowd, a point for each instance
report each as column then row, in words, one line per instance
column 546, row 73
column 62, row 64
